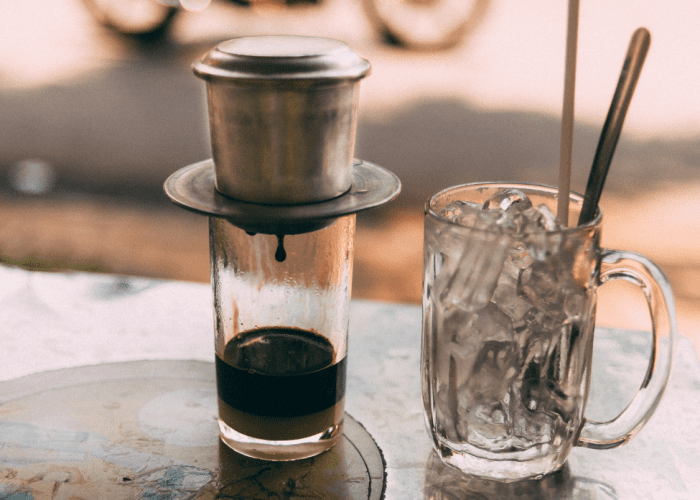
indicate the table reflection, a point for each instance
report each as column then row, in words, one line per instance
column 445, row 483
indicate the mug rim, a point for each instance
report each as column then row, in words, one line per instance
column 430, row 211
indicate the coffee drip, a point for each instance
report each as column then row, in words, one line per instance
column 282, row 119
column 282, row 116
column 280, row 253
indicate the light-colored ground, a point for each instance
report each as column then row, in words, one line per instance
column 512, row 59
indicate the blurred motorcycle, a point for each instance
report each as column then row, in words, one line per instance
column 415, row 24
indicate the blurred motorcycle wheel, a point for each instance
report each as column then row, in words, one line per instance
column 142, row 19
column 425, row 24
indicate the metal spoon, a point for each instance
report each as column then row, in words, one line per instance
column 632, row 67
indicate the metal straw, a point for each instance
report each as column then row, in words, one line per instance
column 636, row 53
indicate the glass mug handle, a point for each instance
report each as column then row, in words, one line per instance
column 646, row 275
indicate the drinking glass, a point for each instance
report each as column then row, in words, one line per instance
column 508, row 322
column 282, row 314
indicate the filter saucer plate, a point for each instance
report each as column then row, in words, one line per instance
column 193, row 188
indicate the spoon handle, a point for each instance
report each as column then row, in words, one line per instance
column 632, row 67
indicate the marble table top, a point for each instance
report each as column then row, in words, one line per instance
column 60, row 321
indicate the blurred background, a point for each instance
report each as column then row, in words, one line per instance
column 98, row 106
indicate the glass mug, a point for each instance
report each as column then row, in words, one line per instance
column 282, row 308
column 508, row 322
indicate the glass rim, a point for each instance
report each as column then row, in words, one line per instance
column 543, row 188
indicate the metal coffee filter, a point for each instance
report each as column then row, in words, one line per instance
column 282, row 117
